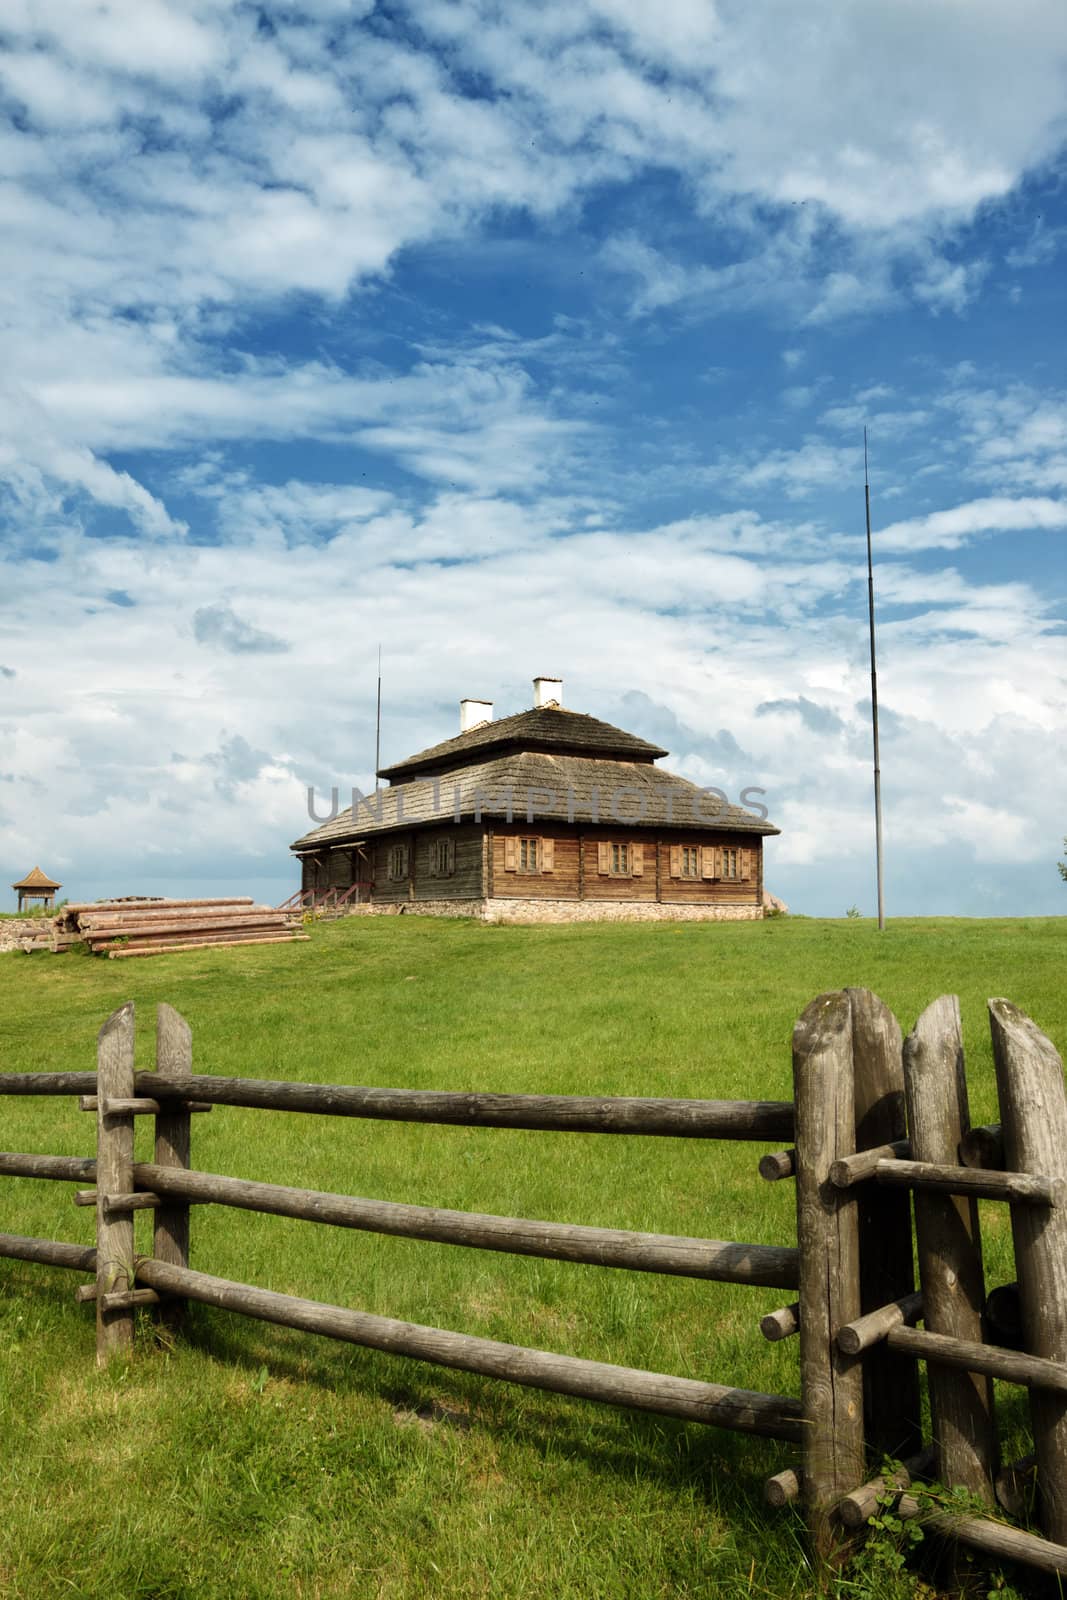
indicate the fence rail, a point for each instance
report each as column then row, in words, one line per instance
column 859, row 1163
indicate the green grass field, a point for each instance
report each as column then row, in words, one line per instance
column 251, row 1461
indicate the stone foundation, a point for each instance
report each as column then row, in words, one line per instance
column 524, row 911
column 15, row 931
column 612, row 911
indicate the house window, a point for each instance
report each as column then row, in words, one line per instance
column 689, row 862
column 729, row 866
column 442, row 858
column 398, row 861
column 529, row 855
column 620, row 858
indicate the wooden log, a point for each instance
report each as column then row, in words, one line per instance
column 188, row 928
column 129, row 1299
column 741, row 1410
column 64, row 1169
column 872, row 1327
column 50, row 1254
column 781, row 1324
column 1027, row 1188
column 131, row 950
column 783, row 1488
column 754, row 1120
column 99, row 906
column 996, row 1539
column 827, row 1230
column 114, row 1176
column 1004, row 1315
column 117, row 1204
column 864, row 1164
column 983, row 1147
column 157, row 927
column 1033, row 1110
column 84, row 1293
column 858, row 1507
column 86, row 1197
column 949, row 1248
column 170, row 1237
column 891, row 1400
column 47, row 1082
column 1010, row 1366
column 132, row 1106
column 91, row 1102
column 777, row 1164
column 718, row 1261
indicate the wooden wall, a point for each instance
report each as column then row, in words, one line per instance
column 576, row 874
column 481, row 869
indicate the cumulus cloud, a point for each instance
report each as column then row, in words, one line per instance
column 947, row 530
column 220, row 625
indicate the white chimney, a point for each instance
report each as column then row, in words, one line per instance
column 548, row 691
column 474, row 712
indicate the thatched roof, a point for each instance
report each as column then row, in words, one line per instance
column 564, row 788
column 545, row 728
column 37, row 880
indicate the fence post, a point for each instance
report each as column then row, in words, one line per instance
column 1033, row 1111
column 827, row 1233
column 949, row 1248
column 891, row 1399
column 170, row 1234
column 114, row 1176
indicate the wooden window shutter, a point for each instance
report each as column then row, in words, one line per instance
column 746, row 863
column 511, row 855
column 548, row 855
column 709, row 863
column 451, row 855
column 637, row 859
column 603, row 857
column 676, row 861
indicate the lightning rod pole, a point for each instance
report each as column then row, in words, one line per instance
column 874, row 696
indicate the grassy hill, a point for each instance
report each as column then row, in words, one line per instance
column 252, row 1461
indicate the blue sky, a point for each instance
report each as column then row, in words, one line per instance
column 528, row 339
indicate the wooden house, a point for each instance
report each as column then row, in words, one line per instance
column 548, row 815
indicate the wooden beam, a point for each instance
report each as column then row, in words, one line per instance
column 114, row 1177
column 949, row 1248
column 741, row 1410
column 756, row 1120
column 827, row 1230
column 170, row 1235
column 766, row 1266
column 1033, row 1109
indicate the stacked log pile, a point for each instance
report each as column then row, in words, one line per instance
column 121, row 928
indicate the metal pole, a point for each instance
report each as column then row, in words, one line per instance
column 874, row 696
column 378, row 726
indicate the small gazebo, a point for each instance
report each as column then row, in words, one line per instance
column 35, row 886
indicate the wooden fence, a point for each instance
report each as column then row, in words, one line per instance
column 877, row 1122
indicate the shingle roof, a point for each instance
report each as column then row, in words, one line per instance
column 37, row 880
column 543, row 728
column 566, row 788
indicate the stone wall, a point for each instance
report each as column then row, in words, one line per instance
column 14, row 930
column 613, row 911
column 523, row 911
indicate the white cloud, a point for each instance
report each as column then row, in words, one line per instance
column 947, row 530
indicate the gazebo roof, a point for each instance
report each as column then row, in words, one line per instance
column 37, row 880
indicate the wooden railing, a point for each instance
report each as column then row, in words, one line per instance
column 857, row 1158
